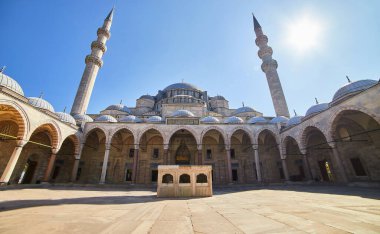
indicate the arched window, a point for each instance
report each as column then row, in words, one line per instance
column 167, row 179
column 201, row 178
column 184, row 178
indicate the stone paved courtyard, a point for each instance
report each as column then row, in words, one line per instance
column 266, row 209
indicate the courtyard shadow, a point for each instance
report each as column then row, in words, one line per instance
column 101, row 200
column 371, row 193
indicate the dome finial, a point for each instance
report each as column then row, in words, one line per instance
column 348, row 79
column 243, row 104
column 41, row 94
column 3, row 69
column 295, row 113
column 64, row 110
column 316, row 101
column 121, row 101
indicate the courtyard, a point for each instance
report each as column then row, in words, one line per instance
column 236, row 209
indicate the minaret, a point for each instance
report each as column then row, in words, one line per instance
column 269, row 67
column 93, row 63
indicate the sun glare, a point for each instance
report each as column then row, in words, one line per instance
column 304, row 34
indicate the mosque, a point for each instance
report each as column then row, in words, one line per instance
column 335, row 142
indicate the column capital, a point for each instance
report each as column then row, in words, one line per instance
column 21, row 143
column 228, row 147
column 54, row 151
column 255, row 147
column 199, row 147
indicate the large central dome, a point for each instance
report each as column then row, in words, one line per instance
column 181, row 86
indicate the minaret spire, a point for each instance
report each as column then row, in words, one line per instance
column 269, row 67
column 93, row 63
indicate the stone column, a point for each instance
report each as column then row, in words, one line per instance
column 76, row 163
column 339, row 163
column 166, row 156
column 257, row 164
column 135, row 165
column 50, row 166
column 6, row 176
column 228, row 162
column 75, row 170
column 285, row 169
column 200, row 159
column 105, row 164
column 307, row 167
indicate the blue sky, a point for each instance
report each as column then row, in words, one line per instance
column 206, row 43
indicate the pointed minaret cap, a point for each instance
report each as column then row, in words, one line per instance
column 255, row 22
column 110, row 15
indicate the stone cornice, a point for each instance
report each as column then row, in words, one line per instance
column 102, row 31
column 93, row 59
column 99, row 45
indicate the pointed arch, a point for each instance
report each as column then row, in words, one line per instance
column 20, row 114
column 181, row 127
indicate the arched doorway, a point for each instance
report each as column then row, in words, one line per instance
column 319, row 155
column 65, row 160
column 357, row 137
column 270, row 159
column 120, row 162
column 32, row 163
column 183, row 148
column 214, row 154
column 242, row 158
column 91, row 161
column 297, row 169
column 151, row 154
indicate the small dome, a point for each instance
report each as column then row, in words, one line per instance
column 244, row 109
column 40, row 103
column 182, row 113
column 258, row 119
column 353, row 87
column 218, row 97
column 209, row 119
column 106, row 118
column 10, row 83
column 130, row 119
column 181, row 86
column 279, row 119
column 233, row 120
column 154, row 119
column 79, row 118
column 147, row 97
column 119, row 107
column 316, row 109
column 294, row 121
column 64, row 117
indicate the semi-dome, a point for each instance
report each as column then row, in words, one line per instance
column 147, row 97
column 154, row 119
column 181, row 86
column 353, row 87
column 257, row 119
column 279, row 119
column 294, row 121
column 106, row 118
column 130, row 119
column 40, row 103
column 316, row 109
column 82, row 118
column 182, row 113
column 10, row 83
column 244, row 109
column 64, row 117
column 119, row 107
column 233, row 120
column 209, row 119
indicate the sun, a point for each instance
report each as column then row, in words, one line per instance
column 304, row 34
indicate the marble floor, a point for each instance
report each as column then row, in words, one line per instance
column 237, row 209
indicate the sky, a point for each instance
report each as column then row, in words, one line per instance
column 210, row 44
